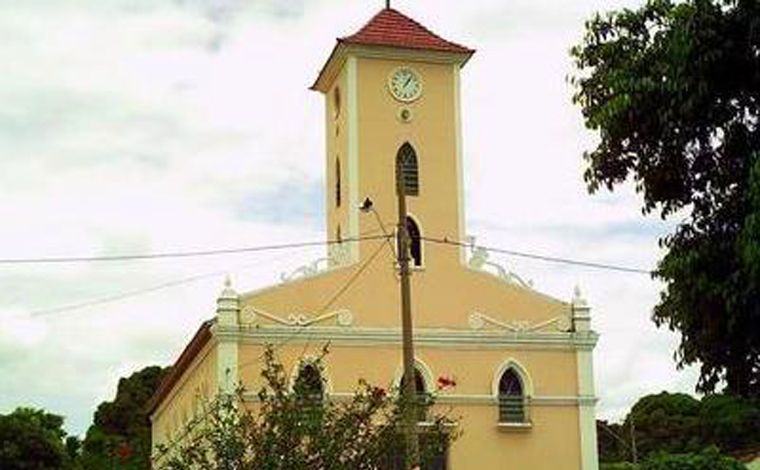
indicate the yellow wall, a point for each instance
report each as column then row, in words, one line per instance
column 437, row 296
column 336, row 124
column 432, row 133
column 551, row 442
column 186, row 399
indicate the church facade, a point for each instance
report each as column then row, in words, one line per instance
column 521, row 360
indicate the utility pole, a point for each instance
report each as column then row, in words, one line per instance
column 409, row 394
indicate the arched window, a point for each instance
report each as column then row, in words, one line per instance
column 415, row 241
column 407, row 171
column 336, row 101
column 420, row 389
column 511, row 398
column 309, row 386
column 337, row 182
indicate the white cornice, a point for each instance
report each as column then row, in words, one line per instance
column 474, row 399
column 428, row 338
column 341, row 51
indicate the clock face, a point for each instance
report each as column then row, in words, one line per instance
column 405, row 84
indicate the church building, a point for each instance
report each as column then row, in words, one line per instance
column 521, row 360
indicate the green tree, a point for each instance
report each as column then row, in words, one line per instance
column 666, row 423
column 120, row 438
column 300, row 430
column 730, row 422
column 673, row 88
column 33, row 439
column 709, row 459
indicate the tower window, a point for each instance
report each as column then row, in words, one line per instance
column 415, row 241
column 511, row 398
column 407, row 171
column 338, row 188
column 336, row 101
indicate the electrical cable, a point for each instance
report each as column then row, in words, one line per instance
column 537, row 257
column 297, row 332
column 181, row 254
column 322, row 310
column 148, row 290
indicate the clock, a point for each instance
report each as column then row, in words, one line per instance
column 405, row 84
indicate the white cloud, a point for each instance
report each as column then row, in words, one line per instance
column 162, row 126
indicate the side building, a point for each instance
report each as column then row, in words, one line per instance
column 522, row 360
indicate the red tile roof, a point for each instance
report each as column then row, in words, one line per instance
column 394, row 29
column 201, row 338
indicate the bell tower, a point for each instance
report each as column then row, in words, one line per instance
column 392, row 101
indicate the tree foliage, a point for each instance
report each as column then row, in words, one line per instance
column 666, row 423
column 676, row 423
column 709, row 459
column 120, row 437
column 33, row 439
column 673, row 88
column 294, row 430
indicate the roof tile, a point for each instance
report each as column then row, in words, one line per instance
column 391, row 28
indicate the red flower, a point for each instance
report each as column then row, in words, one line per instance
column 123, row 451
column 444, row 382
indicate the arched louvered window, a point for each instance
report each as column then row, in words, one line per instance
column 338, row 189
column 407, row 171
column 309, row 386
column 415, row 241
column 420, row 389
column 511, row 398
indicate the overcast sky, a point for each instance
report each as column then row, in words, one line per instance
column 132, row 126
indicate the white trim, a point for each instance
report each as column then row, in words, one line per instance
column 522, row 373
column 514, row 427
column 227, row 365
column 425, row 337
column 352, row 99
column 586, row 411
column 474, row 400
column 410, row 55
column 424, row 369
column 459, row 162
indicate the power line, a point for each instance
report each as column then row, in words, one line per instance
column 356, row 274
column 549, row 259
column 138, row 292
column 124, row 295
column 288, row 246
column 181, row 254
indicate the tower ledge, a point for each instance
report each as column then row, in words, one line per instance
column 390, row 32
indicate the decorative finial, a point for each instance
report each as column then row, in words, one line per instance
column 578, row 300
column 387, row 4
column 228, row 292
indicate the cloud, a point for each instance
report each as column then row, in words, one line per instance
column 163, row 126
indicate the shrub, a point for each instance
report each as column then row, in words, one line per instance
column 708, row 459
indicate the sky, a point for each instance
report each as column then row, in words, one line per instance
column 151, row 126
